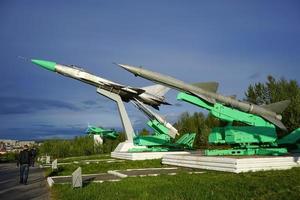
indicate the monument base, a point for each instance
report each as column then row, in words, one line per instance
column 145, row 155
column 125, row 146
column 122, row 152
column 234, row 164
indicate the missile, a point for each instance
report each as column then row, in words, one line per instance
column 154, row 116
column 150, row 95
column 207, row 92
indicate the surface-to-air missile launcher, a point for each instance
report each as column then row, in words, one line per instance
column 255, row 137
column 163, row 136
column 104, row 133
column 255, row 132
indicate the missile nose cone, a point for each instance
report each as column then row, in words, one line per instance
column 44, row 64
column 134, row 70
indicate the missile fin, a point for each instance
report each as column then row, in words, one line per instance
column 277, row 107
column 275, row 121
column 205, row 98
column 208, row 86
column 232, row 96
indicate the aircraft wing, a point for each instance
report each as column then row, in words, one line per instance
column 129, row 89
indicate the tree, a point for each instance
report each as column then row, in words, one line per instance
column 79, row 146
column 144, row 131
column 278, row 90
column 197, row 123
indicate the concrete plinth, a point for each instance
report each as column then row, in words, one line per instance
column 125, row 146
column 233, row 164
column 145, row 155
column 121, row 152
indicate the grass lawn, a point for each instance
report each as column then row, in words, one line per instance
column 284, row 184
column 102, row 167
column 79, row 158
column 267, row 185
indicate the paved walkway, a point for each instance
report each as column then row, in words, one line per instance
column 117, row 175
column 10, row 188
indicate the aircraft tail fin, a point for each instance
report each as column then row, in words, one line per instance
column 157, row 89
column 277, row 107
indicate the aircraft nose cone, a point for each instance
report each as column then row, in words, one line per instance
column 44, row 64
column 134, row 70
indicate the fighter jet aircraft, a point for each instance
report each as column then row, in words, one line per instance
column 151, row 95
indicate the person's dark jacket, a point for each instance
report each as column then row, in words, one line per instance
column 24, row 157
column 33, row 153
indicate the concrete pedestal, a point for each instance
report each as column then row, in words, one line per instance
column 145, row 155
column 233, row 164
column 121, row 152
column 98, row 140
column 125, row 146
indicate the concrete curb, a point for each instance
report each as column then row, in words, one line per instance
column 50, row 181
column 117, row 174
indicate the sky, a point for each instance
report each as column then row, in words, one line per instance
column 233, row 42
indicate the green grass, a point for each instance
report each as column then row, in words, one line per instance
column 102, row 167
column 283, row 184
column 79, row 158
column 211, row 185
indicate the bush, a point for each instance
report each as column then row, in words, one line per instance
column 8, row 157
column 79, row 146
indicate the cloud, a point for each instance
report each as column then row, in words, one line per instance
column 57, row 136
column 41, row 133
column 43, row 125
column 178, row 104
column 172, row 117
column 19, row 105
column 89, row 102
column 254, row 76
column 103, row 104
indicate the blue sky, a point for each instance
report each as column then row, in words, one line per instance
column 233, row 42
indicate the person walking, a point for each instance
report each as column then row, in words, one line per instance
column 33, row 155
column 24, row 162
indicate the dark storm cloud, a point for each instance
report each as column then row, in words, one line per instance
column 39, row 133
column 43, row 125
column 19, row 105
column 89, row 102
column 95, row 104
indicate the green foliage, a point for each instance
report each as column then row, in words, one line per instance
column 8, row 157
column 210, row 185
column 144, row 131
column 197, row 123
column 278, row 90
column 83, row 158
column 110, row 145
column 79, row 146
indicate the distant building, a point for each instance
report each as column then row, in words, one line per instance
column 13, row 145
column 9, row 142
column 23, row 143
